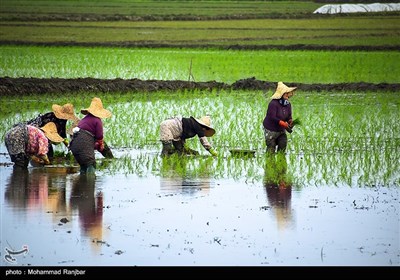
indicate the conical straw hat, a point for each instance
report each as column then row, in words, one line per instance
column 65, row 112
column 96, row 109
column 206, row 122
column 50, row 130
column 281, row 90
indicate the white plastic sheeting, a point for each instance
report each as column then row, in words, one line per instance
column 357, row 8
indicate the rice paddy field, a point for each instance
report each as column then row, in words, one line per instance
column 331, row 200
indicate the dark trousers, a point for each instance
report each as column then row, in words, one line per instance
column 276, row 141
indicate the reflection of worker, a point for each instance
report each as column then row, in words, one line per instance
column 278, row 118
column 174, row 132
column 89, row 205
column 17, row 187
column 25, row 142
column 278, row 188
column 30, row 189
column 176, row 176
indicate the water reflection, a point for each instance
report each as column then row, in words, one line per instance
column 279, row 190
column 40, row 192
column 89, row 205
column 36, row 189
column 17, row 187
column 178, row 175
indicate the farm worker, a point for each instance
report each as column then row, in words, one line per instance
column 278, row 118
column 174, row 132
column 25, row 142
column 88, row 136
column 59, row 116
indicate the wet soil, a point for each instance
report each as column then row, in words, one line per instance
column 27, row 86
column 146, row 44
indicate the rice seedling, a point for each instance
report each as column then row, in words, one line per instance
column 336, row 129
column 226, row 66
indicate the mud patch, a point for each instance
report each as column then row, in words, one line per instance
column 27, row 86
column 156, row 45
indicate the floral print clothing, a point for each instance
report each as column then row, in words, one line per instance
column 37, row 142
column 44, row 119
column 22, row 141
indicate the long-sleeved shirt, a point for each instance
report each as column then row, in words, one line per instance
column 178, row 128
column 275, row 113
column 92, row 124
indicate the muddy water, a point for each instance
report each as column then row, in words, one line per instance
column 57, row 217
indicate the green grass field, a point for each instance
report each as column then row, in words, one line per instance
column 223, row 24
column 207, row 65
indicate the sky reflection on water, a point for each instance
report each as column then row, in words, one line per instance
column 167, row 219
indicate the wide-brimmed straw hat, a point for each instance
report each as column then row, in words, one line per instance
column 206, row 122
column 281, row 90
column 96, row 109
column 65, row 112
column 50, row 130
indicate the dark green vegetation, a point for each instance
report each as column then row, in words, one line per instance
column 111, row 10
column 218, row 24
column 220, row 30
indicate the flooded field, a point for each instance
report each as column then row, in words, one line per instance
column 63, row 218
column 332, row 200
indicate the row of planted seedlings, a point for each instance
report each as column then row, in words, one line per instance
column 202, row 65
column 346, row 138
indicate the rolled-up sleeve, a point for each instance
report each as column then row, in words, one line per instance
column 205, row 143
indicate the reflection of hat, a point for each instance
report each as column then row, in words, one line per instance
column 206, row 122
column 50, row 130
column 281, row 90
column 96, row 109
column 65, row 112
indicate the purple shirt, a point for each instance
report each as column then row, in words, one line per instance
column 275, row 113
column 92, row 124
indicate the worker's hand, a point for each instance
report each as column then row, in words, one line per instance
column 286, row 126
column 37, row 160
column 213, row 152
column 290, row 122
column 99, row 145
column 283, row 124
column 45, row 159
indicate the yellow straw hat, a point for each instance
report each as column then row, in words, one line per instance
column 65, row 112
column 206, row 122
column 50, row 130
column 96, row 109
column 281, row 90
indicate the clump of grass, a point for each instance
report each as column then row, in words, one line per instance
column 296, row 121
